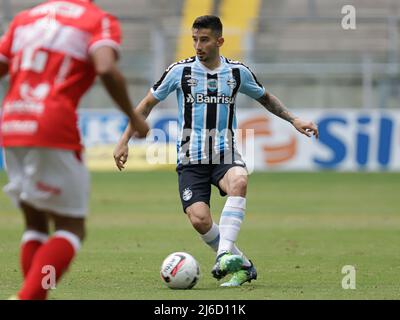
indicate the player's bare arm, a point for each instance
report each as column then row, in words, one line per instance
column 3, row 69
column 121, row 151
column 104, row 60
column 275, row 106
column 144, row 108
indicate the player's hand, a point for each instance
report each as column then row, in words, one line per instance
column 307, row 128
column 121, row 155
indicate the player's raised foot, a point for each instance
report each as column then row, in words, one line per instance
column 246, row 274
column 226, row 263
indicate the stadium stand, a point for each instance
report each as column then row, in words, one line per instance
column 296, row 44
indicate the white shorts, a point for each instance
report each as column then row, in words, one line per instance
column 48, row 179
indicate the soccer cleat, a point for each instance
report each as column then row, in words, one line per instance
column 226, row 263
column 246, row 274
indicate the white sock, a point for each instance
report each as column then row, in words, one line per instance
column 30, row 235
column 72, row 238
column 229, row 224
column 211, row 238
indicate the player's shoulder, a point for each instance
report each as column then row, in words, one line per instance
column 20, row 17
column 236, row 64
column 87, row 11
column 179, row 65
column 95, row 9
column 95, row 15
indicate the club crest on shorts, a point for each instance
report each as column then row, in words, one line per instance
column 187, row 194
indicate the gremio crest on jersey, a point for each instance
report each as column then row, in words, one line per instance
column 212, row 85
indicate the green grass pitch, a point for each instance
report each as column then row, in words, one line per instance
column 300, row 229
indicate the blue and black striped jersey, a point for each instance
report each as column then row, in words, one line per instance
column 206, row 104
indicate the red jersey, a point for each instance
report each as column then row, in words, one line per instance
column 48, row 52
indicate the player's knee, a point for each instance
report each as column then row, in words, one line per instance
column 238, row 186
column 73, row 225
column 40, row 227
column 201, row 223
column 35, row 219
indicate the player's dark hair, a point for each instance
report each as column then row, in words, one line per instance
column 208, row 22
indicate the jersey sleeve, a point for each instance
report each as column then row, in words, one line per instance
column 107, row 33
column 6, row 44
column 167, row 83
column 249, row 84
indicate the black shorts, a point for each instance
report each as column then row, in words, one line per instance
column 195, row 181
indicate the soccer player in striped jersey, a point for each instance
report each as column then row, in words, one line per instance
column 207, row 86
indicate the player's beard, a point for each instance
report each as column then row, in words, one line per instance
column 202, row 57
column 207, row 57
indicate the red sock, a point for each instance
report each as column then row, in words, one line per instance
column 57, row 253
column 28, row 250
column 31, row 242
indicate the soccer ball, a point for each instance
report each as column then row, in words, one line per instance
column 180, row 271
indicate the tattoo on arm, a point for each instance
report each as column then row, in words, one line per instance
column 146, row 111
column 146, row 105
column 275, row 106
